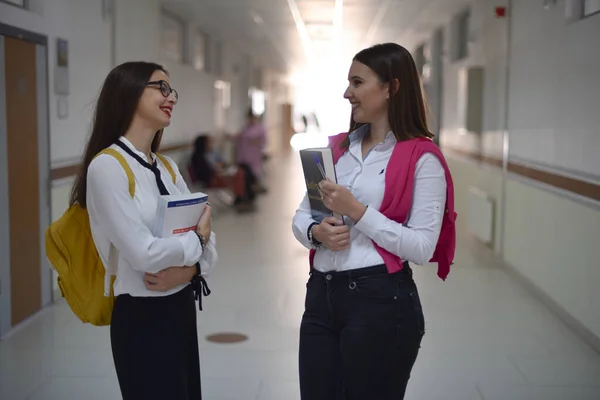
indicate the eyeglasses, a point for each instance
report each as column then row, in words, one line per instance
column 165, row 89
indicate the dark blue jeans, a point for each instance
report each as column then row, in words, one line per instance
column 360, row 334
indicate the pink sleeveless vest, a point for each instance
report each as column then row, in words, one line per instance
column 398, row 194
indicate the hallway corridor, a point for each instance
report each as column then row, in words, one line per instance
column 486, row 339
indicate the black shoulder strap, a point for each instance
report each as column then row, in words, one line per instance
column 152, row 167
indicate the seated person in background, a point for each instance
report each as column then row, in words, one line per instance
column 210, row 169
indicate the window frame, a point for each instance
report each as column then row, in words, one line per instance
column 217, row 56
column 181, row 59
column 585, row 14
column 463, row 30
column 201, row 36
column 24, row 6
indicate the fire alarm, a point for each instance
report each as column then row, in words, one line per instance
column 500, row 12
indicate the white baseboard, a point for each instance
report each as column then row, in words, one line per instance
column 587, row 336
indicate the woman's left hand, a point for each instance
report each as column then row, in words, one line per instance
column 168, row 278
column 340, row 200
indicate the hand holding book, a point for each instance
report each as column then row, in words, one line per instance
column 204, row 227
column 332, row 233
column 340, row 200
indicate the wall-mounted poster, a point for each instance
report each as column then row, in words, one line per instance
column 62, row 53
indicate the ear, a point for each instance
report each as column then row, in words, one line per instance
column 395, row 86
column 392, row 87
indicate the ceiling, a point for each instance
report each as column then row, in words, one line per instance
column 290, row 34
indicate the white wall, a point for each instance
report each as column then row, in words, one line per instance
column 137, row 33
column 233, row 70
column 137, row 30
column 553, row 120
column 487, row 49
column 553, row 242
column 195, row 111
column 137, row 37
column 555, row 81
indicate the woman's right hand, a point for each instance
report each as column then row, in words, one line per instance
column 332, row 233
column 204, row 224
column 169, row 278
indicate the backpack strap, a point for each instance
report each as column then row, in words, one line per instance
column 113, row 253
column 168, row 166
column 124, row 164
column 113, row 263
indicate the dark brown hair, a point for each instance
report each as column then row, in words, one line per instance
column 406, row 107
column 116, row 106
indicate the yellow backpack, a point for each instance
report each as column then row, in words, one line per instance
column 83, row 280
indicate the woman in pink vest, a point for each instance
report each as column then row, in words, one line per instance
column 363, row 322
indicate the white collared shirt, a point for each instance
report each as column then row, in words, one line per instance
column 127, row 222
column 365, row 178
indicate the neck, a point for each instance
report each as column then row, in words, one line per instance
column 141, row 136
column 379, row 129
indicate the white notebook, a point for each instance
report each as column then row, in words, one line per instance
column 179, row 213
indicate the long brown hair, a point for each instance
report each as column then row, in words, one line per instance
column 115, row 109
column 406, row 107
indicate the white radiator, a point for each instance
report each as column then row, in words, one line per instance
column 481, row 215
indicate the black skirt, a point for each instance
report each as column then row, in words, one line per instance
column 155, row 347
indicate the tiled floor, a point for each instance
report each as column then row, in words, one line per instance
column 487, row 339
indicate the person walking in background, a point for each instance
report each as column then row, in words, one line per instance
column 153, row 332
column 363, row 321
column 250, row 143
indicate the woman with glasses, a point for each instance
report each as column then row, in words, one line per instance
column 153, row 330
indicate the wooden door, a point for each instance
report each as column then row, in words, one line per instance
column 23, row 177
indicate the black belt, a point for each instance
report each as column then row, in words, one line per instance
column 380, row 269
